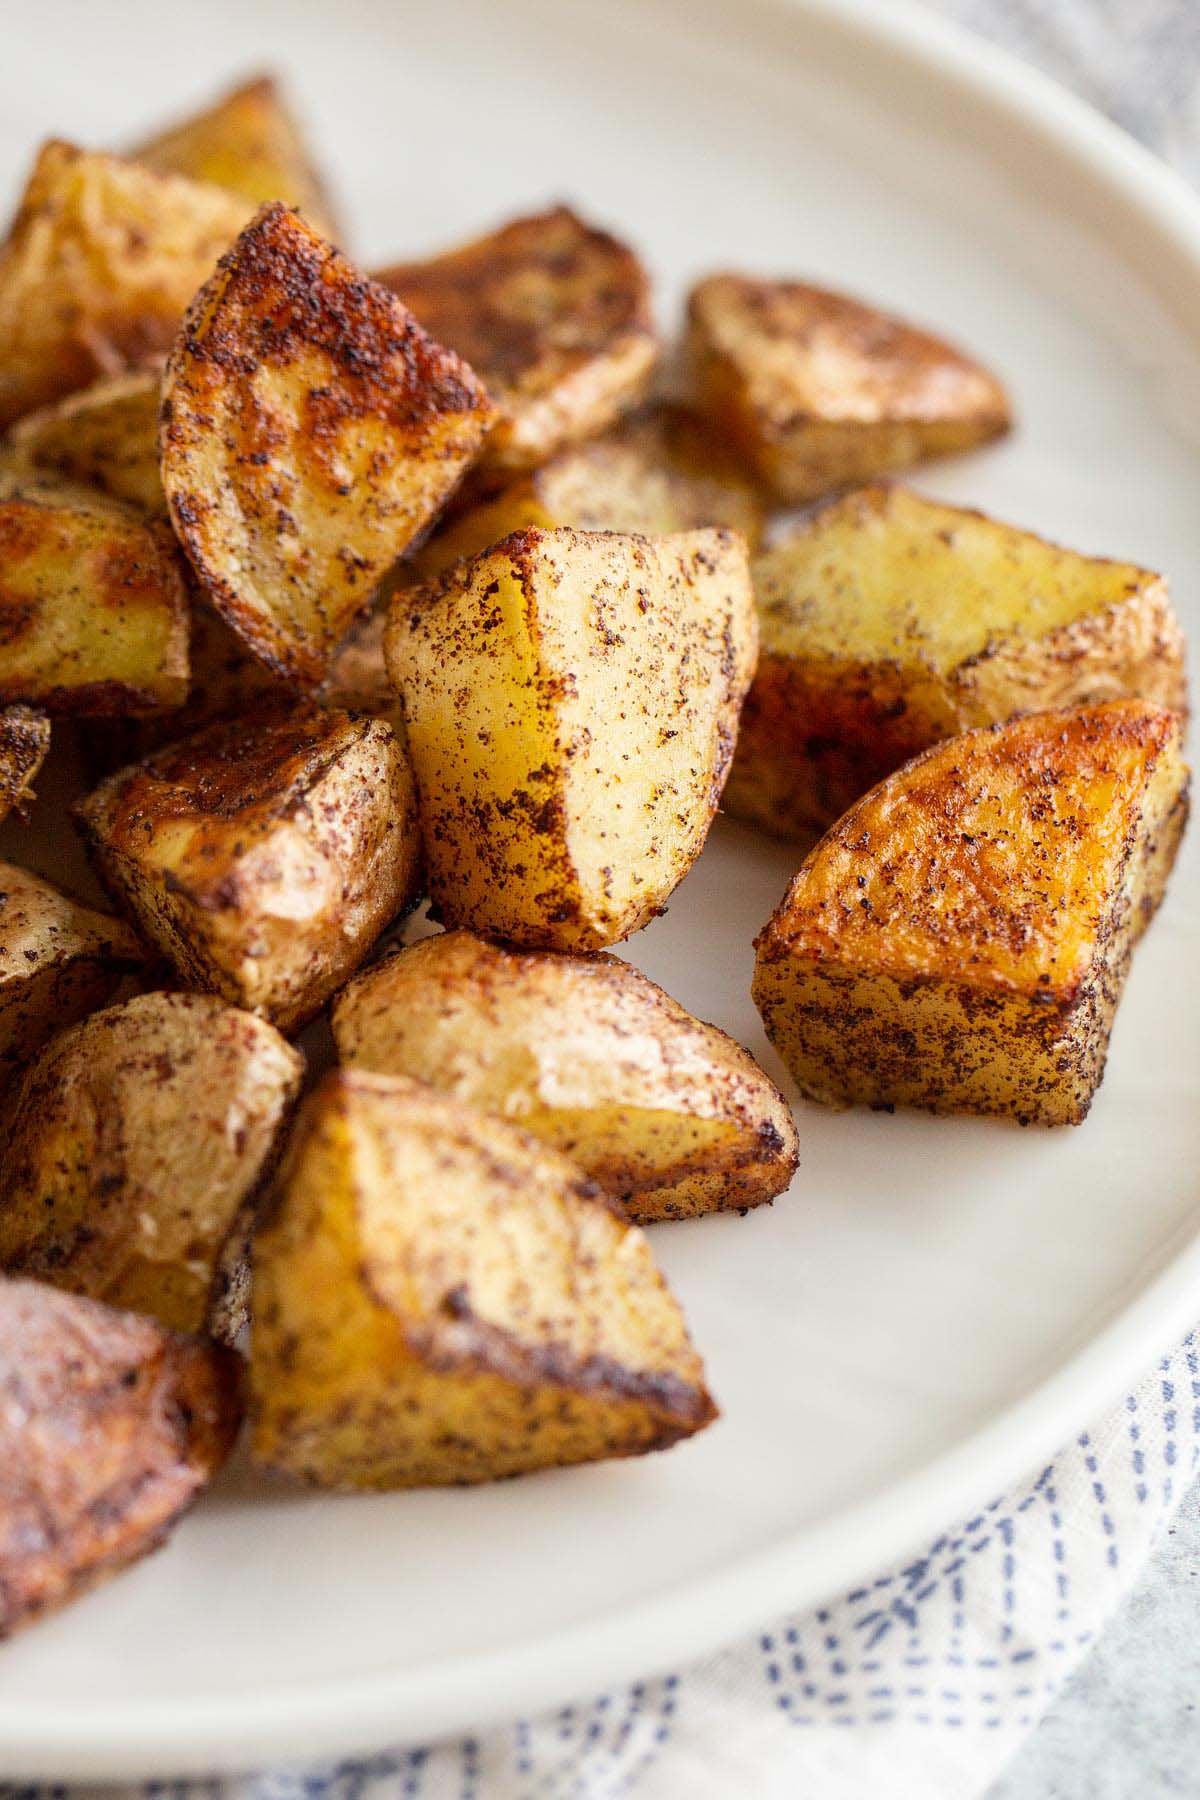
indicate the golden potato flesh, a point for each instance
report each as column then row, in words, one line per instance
column 959, row 941
column 657, row 471
column 24, row 741
column 58, row 962
column 265, row 855
column 439, row 1298
column 98, row 266
column 105, row 436
column 248, row 142
column 93, row 603
column 109, row 1428
column 139, row 1140
column 554, row 315
column 571, row 700
column 666, row 1113
column 818, row 391
column 310, row 431
column 888, row 622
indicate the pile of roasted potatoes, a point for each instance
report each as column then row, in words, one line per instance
column 339, row 591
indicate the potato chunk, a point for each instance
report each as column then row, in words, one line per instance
column 657, row 471
column 666, row 1113
column 24, row 741
column 109, row 1428
column 959, row 941
column 310, row 431
column 105, row 436
column 248, row 142
column 265, row 855
column 439, row 1298
column 819, row 391
column 139, row 1140
column 888, row 622
column 571, row 700
column 93, row 602
column 58, row 962
column 97, row 268
column 554, row 315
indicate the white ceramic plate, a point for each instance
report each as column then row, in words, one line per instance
column 935, row 1304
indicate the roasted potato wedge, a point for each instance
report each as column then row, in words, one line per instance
column 93, row 602
column 109, row 1428
column 888, row 621
column 959, row 941
column 58, row 962
column 666, row 1113
column 819, row 391
column 265, row 855
column 95, row 273
column 439, row 1298
column 571, row 700
column 24, row 741
column 248, row 142
column 554, row 315
column 105, row 436
column 657, row 471
column 310, row 431
column 139, row 1139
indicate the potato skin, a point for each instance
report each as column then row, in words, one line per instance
column 139, row 1139
column 103, row 436
column 555, row 316
column 889, row 622
column 310, row 431
column 263, row 857
column 571, row 701
column 819, row 390
column 58, row 962
column 439, row 1299
column 24, row 741
column 109, row 1429
column 666, row 1113
column 959, row 941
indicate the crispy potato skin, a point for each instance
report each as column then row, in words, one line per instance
column 888, row 622
column 438, row 1298
column 263, row 857
column 249, row 142
column 139, row 1139
column 960, row 940
column 554, row 315
column 105, row 436
column 58, row 962
column 310, row 431
column 666, row 1113
column 97, row 268
column 571, row 701
column 24, row 741
column 820, row 391
column 93, row 603
column 109, row 1428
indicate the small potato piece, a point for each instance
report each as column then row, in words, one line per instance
column 818, row 390
column 24, row 741
column 310, row 431
column 554, row 315
column 93, row 602
column 666, row 1113
column 97, row 268
column 571, row 700
column 888, row 622
column 265, row 855
column 58, row 962
column 655, row 472
column 139, row 1140
column 109, row 1428
column 960, row 940
column 438, row 1298
column 248, row 142
column 105, row 436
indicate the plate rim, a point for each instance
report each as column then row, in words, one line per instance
column 342, row 1716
